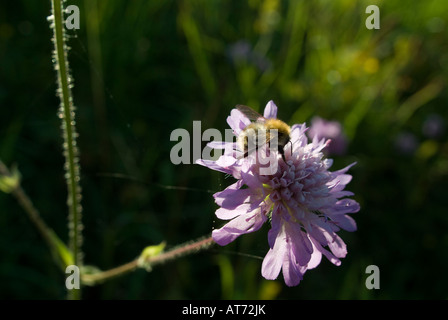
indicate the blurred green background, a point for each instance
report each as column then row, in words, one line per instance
column 144, row 68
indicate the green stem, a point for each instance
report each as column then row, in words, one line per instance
column 177, row 252
column 58, row 248
column 67, row 115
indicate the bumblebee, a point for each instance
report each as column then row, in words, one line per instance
column 268, row 129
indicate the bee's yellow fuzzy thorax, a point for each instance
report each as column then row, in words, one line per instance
column 277, row 124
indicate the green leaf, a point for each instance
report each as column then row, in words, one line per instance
column 60, row 250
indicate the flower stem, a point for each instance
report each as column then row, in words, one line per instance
column 177, row 252
column 67, row 115
column 58, row 248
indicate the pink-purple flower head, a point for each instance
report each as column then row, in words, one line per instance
column 305, row 203
column 330, row 130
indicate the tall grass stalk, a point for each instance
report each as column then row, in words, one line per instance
column 67, row 115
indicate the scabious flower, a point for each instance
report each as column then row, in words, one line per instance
column 406, row 143
column 242, row 52
column 305, row 203
column 330, row 130
column 434, row 126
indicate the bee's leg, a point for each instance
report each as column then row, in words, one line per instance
column 282, row 152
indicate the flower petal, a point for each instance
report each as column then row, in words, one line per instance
column 270, row 111
column 213, row 165
column 292, row 272
column 298, row 137
column 343, row 221
column 232, row 196
column 316, row 258
column 339, row 183
column 326, row 253
column 228, row 214
column 222, row 145
column 275, row 230
column 300, row 245
column 344, row 170
column 338, row 246
column 244, row 223
column 250, row 178
column 226, row 161
column 237, row 121
column 273, row 261
column 342, row 207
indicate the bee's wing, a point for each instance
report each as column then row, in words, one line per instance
column 252, row 150
column 250, row 113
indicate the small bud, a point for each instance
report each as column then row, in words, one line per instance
column 9, row 182
column 148, row 253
